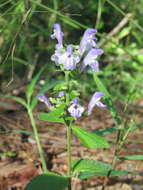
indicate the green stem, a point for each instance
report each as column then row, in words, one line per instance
column 37, row 138
column 67, row 83
column 69, row 156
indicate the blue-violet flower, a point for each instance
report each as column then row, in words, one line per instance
column 68, row 58
column 45, row 100
column 95, row 100
column 90, row 59
column 87, row 41
column 76, row 109
column 61, row 94
column 58, row 34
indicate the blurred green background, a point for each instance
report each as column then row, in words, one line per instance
column 25, row 44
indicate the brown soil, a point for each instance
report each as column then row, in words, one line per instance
column 16, row 171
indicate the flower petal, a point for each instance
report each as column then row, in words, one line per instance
column 95, row 100
column 75, row 100
column 44, row 99
column 101, row 105
column 88, row 40
column 98, row 95
column 95, row 66
column 76, row 110
column 68, row 58
column 61, row 94
column 90, row 59
column 58, row 34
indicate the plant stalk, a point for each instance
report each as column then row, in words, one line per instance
column 37, row 138
column 67, row 84
column 69, row 157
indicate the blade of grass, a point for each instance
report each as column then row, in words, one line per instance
column 3, row 4
column 69, row 21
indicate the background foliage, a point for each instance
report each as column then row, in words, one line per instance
column 25, row 44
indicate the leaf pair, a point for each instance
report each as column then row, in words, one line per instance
column 88, row 139
column 53, row 116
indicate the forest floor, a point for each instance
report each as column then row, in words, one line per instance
column 16, row 171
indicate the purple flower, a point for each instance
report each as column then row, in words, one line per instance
column 58, row 34
column 95, row 100
column 75, row 100
column 76, row 109
column 58, row 53
column 87, row 41
column 61, row 94
column 44, row 99
column 68, row 58
column 90, row 59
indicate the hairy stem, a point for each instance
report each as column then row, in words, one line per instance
column 37, row 138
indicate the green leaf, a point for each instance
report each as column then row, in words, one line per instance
column 134, row 127
column 85, row 175
column 17, row 99
column 16, row 131
column 53, row 116
column 49, row 86
column 33, row 102
column 69, row 118
column 132, row 157
column 9, row 154
column 30, row 87
column 89, row 139
column 61, row 86
column 104, row 132
column 22, row 132
column 73, row 94
column 50, row 117
column 48, row 181
column 80, row 165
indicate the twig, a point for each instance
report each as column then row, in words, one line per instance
column 120, row 25
column 140, row 52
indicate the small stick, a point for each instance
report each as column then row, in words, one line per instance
column 120, row 25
